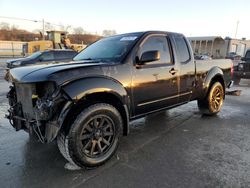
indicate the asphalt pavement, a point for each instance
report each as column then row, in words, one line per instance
column 174, row 148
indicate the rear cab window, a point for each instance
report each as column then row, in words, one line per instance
column 182, row 49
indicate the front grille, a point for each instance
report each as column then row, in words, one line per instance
column 24, row 97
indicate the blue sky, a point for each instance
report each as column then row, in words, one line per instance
column 193, row 17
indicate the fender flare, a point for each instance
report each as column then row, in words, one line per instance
column 78, row 89
column 212, row 73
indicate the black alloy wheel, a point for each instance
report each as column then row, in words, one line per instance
column 94, row 135
column 97, row 135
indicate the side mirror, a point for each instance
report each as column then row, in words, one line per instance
column 40, row 59
column 150, row 56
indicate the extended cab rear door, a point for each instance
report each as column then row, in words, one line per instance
column 186, row 67
column 154, row 83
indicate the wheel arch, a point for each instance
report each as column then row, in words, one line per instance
column 214, row 75
column 101, row 90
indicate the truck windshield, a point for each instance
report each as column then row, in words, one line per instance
column 108, row 49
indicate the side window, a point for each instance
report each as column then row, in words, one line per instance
column 159, row 43
column 64, row 55
column 70, row 55
column 182, row 49
column 47, row 56
column 57, row 55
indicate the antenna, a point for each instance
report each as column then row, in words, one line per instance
column 236, row 31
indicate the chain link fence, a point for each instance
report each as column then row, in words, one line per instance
column 11, row 48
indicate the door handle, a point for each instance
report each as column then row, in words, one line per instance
column 173, row 71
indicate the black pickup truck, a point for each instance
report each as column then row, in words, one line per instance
column 242, row 70
column 87, row 104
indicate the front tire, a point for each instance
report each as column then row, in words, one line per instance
column 213, row 102
column 94, row 135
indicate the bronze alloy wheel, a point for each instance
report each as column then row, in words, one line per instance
column 216, row 97
column 97, row 135
column 212, row 103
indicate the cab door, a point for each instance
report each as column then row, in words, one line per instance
column 154, row 83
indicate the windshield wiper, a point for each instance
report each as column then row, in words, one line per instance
column 90, row 59
column 97, row 60
column 87, row 59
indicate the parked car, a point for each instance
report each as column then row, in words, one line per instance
column 242, row 70
column 233, row 56
column 87, row 105
column 202, row 57
column 40, row 57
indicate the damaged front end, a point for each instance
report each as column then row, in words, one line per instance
column 36, row 108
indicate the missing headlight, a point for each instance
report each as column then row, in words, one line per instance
column 45, row 89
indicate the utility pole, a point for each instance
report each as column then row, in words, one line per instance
column 236, row 31
column 43, row 29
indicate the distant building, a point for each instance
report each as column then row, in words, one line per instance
column 217, row 47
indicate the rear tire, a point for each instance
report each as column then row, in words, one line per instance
column 93, row 137
column 213, row 102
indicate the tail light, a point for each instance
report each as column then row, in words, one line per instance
column 232, row 70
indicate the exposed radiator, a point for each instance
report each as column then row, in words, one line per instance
column 24, row 96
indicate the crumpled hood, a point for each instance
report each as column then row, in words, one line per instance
column 54, row 72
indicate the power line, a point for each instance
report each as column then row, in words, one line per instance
column 15, row 18
column 25, row 19
column 65, row 27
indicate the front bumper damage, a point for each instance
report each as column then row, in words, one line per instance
column 34, row 114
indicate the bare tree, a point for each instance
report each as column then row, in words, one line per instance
column 4, row 26
column 64, row 27
column 14, row 27
column 78, row 31
column 107, row 33
column 36, row 31
column 49, row 27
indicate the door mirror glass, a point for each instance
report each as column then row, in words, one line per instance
column 150, row 56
